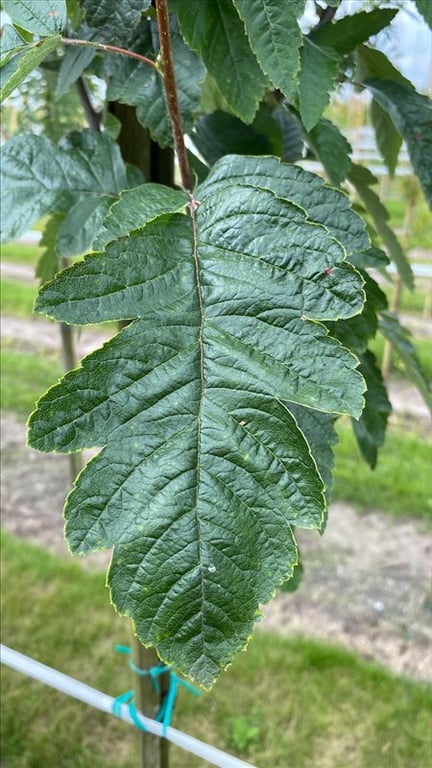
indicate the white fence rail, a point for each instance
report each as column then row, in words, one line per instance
column 108, row 704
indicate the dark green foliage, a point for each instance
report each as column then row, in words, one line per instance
column 252, row 311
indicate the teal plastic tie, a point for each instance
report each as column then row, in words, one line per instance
column 165, row 713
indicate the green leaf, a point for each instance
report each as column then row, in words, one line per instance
column 11, row 43
column 214, row 29
column 42, row 17
column 295, row 581
column 136, row 208
column 363, row 179
column 373, row 63
column 332, row 149
column 356, row 332
column 319, row 70
column 39, row 177
column 81, row 225
column 344, row 35
column 292, row 140
column 323, row 205
column 24, row 63
column 424, row 7
column 399, row 337
column 74, row 13
column 221, row 134
column 318, row 429
column 75, row 60
column 203, row 470
column 371, row 427
column 388, row 139
column 139, row 85
column 48, row 264
column 114, row 20
column 275, row 37
column 372, row 258
column 411, row 113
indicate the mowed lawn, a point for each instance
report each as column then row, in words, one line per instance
column 283, row 703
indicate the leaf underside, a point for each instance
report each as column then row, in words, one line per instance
column 204, row 471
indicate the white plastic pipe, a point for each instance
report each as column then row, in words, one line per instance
column 102, row 701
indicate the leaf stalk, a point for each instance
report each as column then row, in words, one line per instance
column 110, row 49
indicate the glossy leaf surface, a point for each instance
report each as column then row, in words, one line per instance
column 204, row 469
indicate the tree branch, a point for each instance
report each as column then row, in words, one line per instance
column 325, row 15
column 93, row 118
column 110, row 49
column 171, row 92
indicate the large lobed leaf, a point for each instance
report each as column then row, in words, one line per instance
column 204, row 470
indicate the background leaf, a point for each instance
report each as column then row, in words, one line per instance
column 11, row 43
column 39, row 177
column 363, row 179
column 74, row 61
column 347, row 33
column 275, row 37
column 42, row 17
column 388, row 139
column 411, row 112
column 371, row 427
column 319, row 70
column 373, row 63
column 48, row 264
column 114, row 20
column 214, row 29
column 399, row 337
column 425, row 8
column 332, row 149
column 221, row 134
column 134, row 83
column 17, row 69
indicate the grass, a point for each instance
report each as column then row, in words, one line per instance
column 17, row 297
column 284, row 702
column 422, row 346
column 21, row 253
column 401, row 484
column 25, row 377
